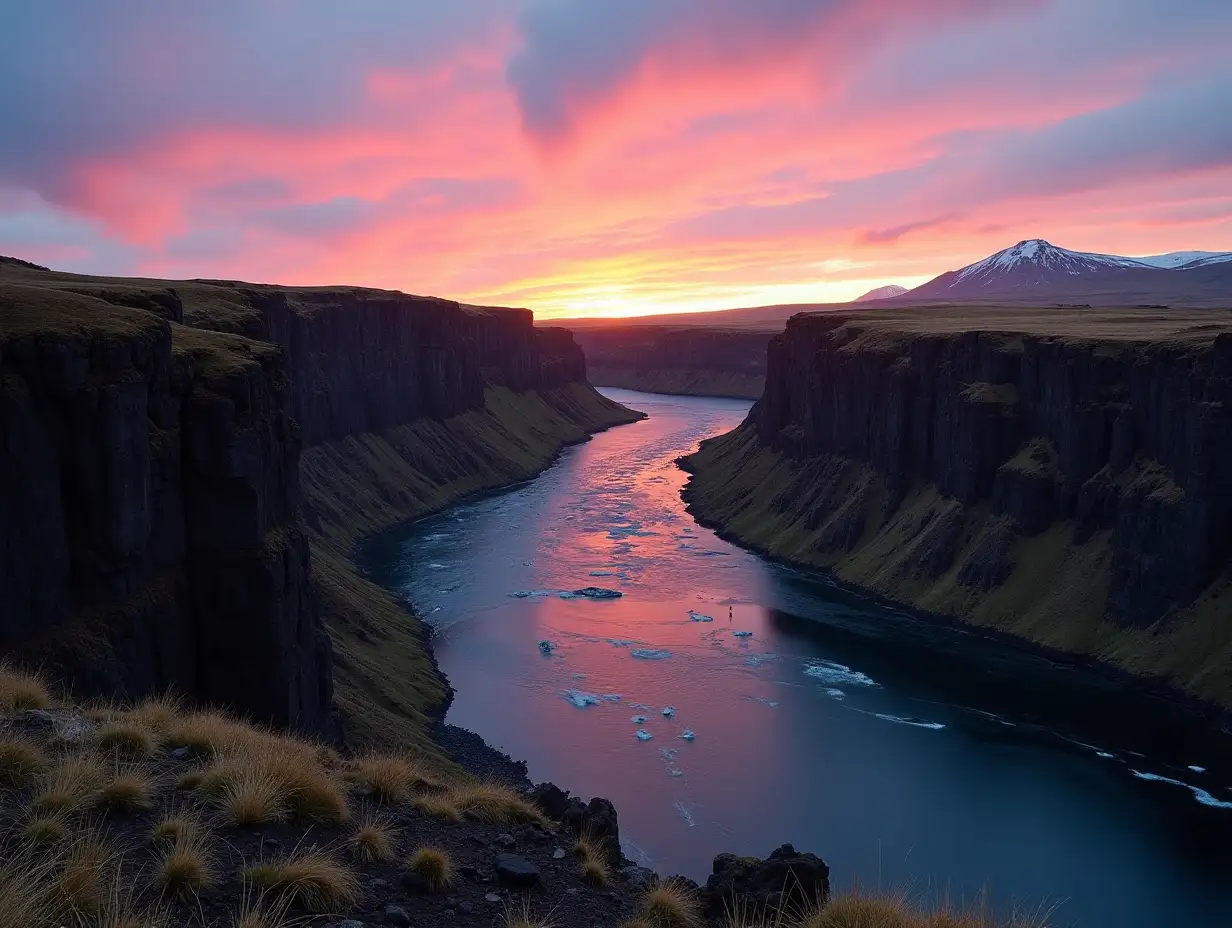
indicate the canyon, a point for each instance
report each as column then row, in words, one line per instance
column 1059, row 476
column 186, row 466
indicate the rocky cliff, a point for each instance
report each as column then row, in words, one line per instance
column 149, row 524
column 152, row 530
column 690, row 360
column 1066, row 478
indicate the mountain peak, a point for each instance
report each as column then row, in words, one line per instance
column 887, row 292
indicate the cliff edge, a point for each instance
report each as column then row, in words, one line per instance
column 1064, row 475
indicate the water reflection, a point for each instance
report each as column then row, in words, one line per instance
column 906, row 754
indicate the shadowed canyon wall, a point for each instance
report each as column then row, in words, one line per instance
column 1067, row 480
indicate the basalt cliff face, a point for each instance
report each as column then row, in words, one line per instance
column 153, row 533
column 1067, row 479
column 693, row 360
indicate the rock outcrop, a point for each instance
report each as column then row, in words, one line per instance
column 149, row 523
column 1065, row 486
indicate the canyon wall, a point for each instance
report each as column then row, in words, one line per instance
column 1066, row 480
column 694, row 361
column 153, row 534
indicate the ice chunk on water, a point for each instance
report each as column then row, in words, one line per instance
column 638, row 705
column 918, row 723
column 1200, row 794
column 620, row 642
column 835, row 693
column 675, row 773
column 547, row 647
column 834, row 673
column 611, row 697
column 598, row 592
column 603, row 573
column 669, row 754
column 579, row 676
column 669, row 711
column 698, row 617
column 650, row 654
column 743, row 634
column 643, row 735
column 1105, row 755
column 1196, row 769
column 527, row 594
column 581, row 699
column 687, row 734
column 638, row 720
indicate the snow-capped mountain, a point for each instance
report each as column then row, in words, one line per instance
column 1036, row 269
column 881, row 293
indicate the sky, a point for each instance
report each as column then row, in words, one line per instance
column 587, row 157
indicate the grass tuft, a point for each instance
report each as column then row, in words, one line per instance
column 438, row 806
column 84, row 878
column 435, row 866
column 157, row 714
column 125, row 739
column 519, row 916
column 72, row 785
column 272, row 781
column 391, row 779
column 373, row 842
column 21, row 762
column 672, row 904
column 175, row 829
column 496, row 804
column 43, row 830
column 251, row 797
column 314, row 881
column 185, row 868
column 191, row 780
column 22, row 690
column 127, row 793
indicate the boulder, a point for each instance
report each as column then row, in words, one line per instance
column 790, row 877
column 597, row 820
column 551, row 800
column 516, row 872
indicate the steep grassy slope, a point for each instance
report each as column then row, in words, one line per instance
column 384, row 678
column 1061, row 478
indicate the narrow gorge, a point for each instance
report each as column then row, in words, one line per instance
column 189, row 465
column 1058, row 474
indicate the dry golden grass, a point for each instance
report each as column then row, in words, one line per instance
column 494, row 803
column 27, row 891
column 251, row 796
column 44, row 829
column 85, row 878
column 21, row 762
column 438, row 806
column 120, row 909
column 73, row 784
column 391, row 779
column 257, row 911
column 157, row 714
column 126, row 739
column 186, row 868
column 277, row 778
column 176, row 828
column 519, row 916
column 127, row 792
column 867, row 911
column 314, row 880
column 592, row 861
column 191, row 780
column 435, row 866
column 672, row 904
column 20, row 689
column 373, row 842
column 596, row 873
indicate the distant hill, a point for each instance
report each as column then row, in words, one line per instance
column 1038, row 271
column 888, row 292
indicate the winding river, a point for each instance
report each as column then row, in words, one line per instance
column 913, row 757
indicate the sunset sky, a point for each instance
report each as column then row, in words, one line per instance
column 599, row 157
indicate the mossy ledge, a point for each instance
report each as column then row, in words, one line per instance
column 161, row 529
column 1063, row 479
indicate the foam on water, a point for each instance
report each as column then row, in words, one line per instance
column 917, row 723
column 835, row 673
column 684, row 813
column 1200, row 794
column 834, row 693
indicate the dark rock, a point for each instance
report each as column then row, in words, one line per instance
column 179, row 754
column 505, row 842
column 467, row 872
column 466, row 908
column 516, row 872
column 597, row 820
column 491, row 897
column 551, row 800
column 271, row 843
column 558, row 854
column 347, row 923
column 396, row 915
column 34, row 720
column 639, row 878
column 414, row 883
column 794, row 879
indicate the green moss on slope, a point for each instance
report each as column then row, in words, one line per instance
column 929, row 552
column 384, row 678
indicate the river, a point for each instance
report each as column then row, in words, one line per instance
column 912, row 757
